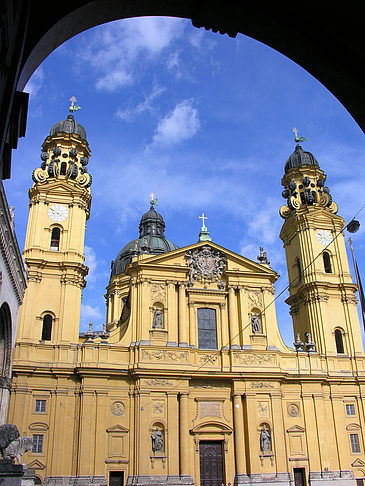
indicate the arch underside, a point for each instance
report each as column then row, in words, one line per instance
column 327, row 42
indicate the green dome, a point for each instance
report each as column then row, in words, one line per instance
column 151, row 240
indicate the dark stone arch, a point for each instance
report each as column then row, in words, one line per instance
column 5, row 345
column 308, row 38
column 327, row 43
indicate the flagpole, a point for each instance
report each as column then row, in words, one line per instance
column 358, row 281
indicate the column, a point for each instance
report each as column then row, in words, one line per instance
column 279, row 444
column 233, row 319
column 184, row 435
column 192, row 325
column 183, row 331
column 224, row 329
column 239, row 436
column 171, row 314
column 145, row 313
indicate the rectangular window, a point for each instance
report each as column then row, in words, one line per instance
column 207, row 329
column 350, row 409
column 40, row 406
column 37, row 443
column 355, row 443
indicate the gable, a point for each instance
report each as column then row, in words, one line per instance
column 236, row 264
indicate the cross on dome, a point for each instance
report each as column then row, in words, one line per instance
column 203, row 218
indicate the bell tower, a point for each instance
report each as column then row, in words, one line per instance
column 321, row 292
column 59, row 205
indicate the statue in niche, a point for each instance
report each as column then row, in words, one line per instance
column 255, row 322
column 265, row 439
column 157, row 440
column 157, row 322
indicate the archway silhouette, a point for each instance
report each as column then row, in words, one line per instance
column 326, row 43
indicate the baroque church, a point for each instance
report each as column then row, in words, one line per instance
column 189, row 381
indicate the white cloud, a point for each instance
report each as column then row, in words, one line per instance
column 90, row 262
column 89, row 312
column 35, row 83
column 119, row 50
column 129, row 114
column 178, row 125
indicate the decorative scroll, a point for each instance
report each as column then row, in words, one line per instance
column 165, row 356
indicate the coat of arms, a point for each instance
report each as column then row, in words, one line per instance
column 207, row 265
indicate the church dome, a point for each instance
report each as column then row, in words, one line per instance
column 298, row 158
column 151, row 240
column 70, row 125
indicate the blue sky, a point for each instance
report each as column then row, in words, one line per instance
column 203, row 121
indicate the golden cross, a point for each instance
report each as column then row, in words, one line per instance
column 152, row 196
column 202, row 217
column 295, row 130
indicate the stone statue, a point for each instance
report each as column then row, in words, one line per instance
column 157, row 319
column 8, row 433
column 17, row 448
column 255, row 322
column 265, row 439
column 157, row 440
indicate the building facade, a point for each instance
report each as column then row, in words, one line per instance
column 189, row 382
column 12, row 287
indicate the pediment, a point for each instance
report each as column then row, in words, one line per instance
column 295, row 429
column 36, row 464
column 38, row 426
column 358, row 463
column 211, row 427
column 117, row 428
column 235, row 263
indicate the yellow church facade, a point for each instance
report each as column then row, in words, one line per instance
column 189, row 382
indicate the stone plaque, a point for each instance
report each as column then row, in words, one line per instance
column 210, row 409
column 293, row 410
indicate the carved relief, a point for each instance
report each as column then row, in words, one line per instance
column 293, row 410
column 261, row 384
column 256, row 299
column 157, row 382
column 206, row 265
column 209, row 358
column 118, row 408
column 263, row 409
column 256, row 359
column 158, row 408
column 158, row 293
column 165, row 355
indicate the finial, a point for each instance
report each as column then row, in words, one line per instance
column 153, row 201
column 72, row 108
column 204, row 233
column 296, row 138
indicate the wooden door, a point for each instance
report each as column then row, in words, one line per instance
column 211, row 463
column 299, row 476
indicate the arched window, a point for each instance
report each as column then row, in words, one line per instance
column 5, row 340
column 207, row 329
column 55, row 239
column 47, row 327
column 299, row 268
column 37, row 480
column 63, row 168
column 327, row 262
column 339, row 342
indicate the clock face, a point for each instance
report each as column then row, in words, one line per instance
column 57, row 212
column 324, row 237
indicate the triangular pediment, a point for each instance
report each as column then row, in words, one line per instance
column 235, row 262
column 117, row 428
column 36, row 464
column 358, row 463
column 295, row 429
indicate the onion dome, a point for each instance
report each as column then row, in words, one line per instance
column 300, row 157
column 151, row 241
column 70, row 125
